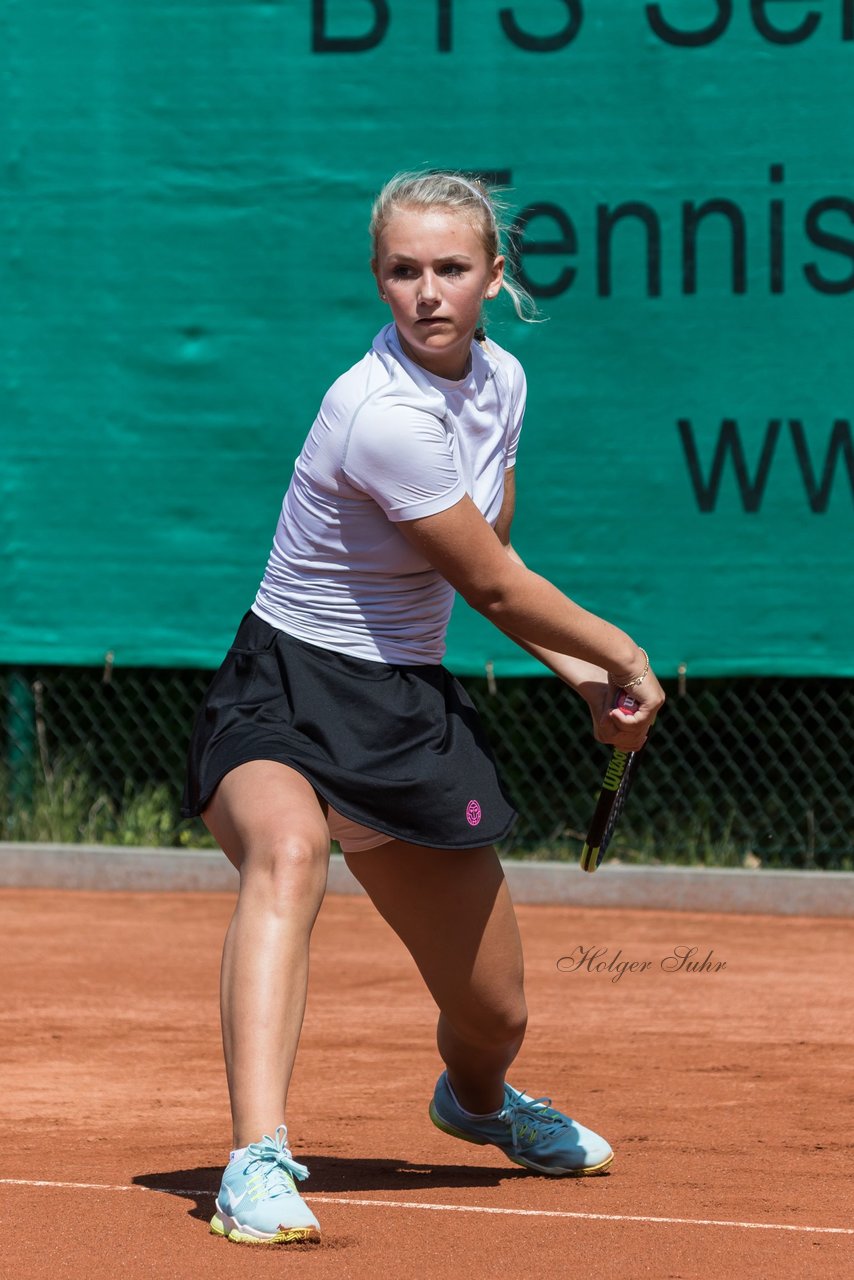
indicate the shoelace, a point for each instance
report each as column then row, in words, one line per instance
column 528, row 1119
column 274, row 1154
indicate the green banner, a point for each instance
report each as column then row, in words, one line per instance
column 184, row 270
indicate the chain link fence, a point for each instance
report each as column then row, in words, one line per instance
column 744, row 772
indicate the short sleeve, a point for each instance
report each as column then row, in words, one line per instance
column 402, row 457
column 518, row 396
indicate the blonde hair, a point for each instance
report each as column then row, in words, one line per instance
column 456, row 191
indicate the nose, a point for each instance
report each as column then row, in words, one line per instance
column 428, row 289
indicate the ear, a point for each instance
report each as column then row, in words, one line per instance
column 496, row 279
column 375, row 270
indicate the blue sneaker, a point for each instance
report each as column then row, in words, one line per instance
column 258, row 1202
column 527, row 1130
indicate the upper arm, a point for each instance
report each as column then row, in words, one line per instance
column 461, row 545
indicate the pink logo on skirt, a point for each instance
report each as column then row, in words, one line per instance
column 473, row 813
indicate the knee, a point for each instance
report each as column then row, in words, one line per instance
column 509, row 1024
column 497, row 1026
column 288, row 867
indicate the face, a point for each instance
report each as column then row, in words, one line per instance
column 434, row 273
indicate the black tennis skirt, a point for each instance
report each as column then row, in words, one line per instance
column 396, row 748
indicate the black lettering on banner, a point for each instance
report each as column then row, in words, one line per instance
column 662, row 25
column 841, row 442
column 774, row 35
column 519, row 248
column 444, row 38
column 543, row 44
column 695, row 38
column 821, row 226
column 692, row 216
column 824, row 239
column 729, row 442
column 323, row 43
column 606, row 220
column 752, row 492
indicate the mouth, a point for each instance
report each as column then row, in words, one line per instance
column 433, row 320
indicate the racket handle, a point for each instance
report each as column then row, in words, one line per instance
column 626, row 703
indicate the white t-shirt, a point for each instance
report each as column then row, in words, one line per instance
column 391, row 442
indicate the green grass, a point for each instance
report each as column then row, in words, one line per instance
column 696, row 830
column 64, row 806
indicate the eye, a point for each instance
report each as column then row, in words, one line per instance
column 453, row 269
column 401, row 272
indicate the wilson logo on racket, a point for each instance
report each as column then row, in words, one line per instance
column 619, row 776
column 616, row 769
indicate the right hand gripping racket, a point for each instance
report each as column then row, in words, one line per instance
column 619, row 776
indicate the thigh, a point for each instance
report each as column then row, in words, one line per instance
column 261, row 806
column 452, row 910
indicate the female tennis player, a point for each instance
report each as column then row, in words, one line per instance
column 332, row 715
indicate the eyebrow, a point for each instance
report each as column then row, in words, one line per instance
column 451, row 257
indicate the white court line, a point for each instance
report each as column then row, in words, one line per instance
column 601, row 1217
column 458, row 1208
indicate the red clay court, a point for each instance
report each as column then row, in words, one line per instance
column 726, row 1095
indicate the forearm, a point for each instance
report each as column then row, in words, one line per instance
column 591, row 654
column 576, row 645
column 477, row 561
column 597, row 684
column 531, row 609
column 575, row 672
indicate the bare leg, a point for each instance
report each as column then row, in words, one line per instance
column 270, row 824
column 452, row 910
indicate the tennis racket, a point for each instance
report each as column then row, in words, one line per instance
column 619, row 776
